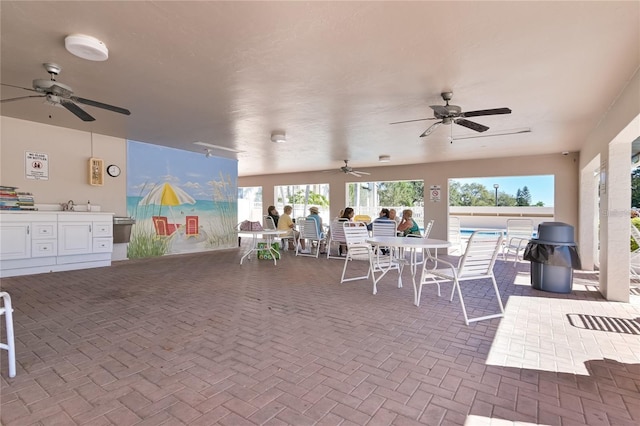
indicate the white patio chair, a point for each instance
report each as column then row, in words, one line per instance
column 359, row 249
column 455, row 236
column 385, row 228
column 336, row 236
column 9, row 345
column 268, row 223
column 476, row 264
column 309, row 231
column 427, row 231
column 519, row 232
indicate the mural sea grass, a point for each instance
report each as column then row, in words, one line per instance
column 184, row 202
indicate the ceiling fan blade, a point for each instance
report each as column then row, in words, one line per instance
column 18, row 87
column 431, row 129
column 471, row 125
column 489, row 135
column 361, row 172
column 75, row 109
column 440, row 110
column 21, row 97
column 411, row 121
column 101, row 105
column 494, row 111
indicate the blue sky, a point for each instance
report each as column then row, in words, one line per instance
column 540, row 187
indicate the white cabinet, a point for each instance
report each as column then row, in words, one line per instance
column 36, row 242
column 15, row 240
column 80, row 233
column 74, row 238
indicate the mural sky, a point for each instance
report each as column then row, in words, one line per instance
column 194, row 173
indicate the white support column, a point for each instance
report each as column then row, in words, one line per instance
column 614, row 222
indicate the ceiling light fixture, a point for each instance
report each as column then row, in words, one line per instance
column 210, row 145
column 384, row 158
column 278, row 137
column 86, row 47
column 208, row 154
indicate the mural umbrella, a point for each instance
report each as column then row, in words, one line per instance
column 167, row 195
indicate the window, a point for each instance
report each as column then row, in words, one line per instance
column 301, row 197
column 250, row 203
column 367, row 198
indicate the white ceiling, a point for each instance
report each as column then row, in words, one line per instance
column 332, row 75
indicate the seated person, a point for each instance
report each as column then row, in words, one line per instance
column 347, row 215
column 407, row 225
column 313, row 214
column 285, row 224
column 383, row 216
column 394, row 216
column 273, row 213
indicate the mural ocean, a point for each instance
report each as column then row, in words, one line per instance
column 182, row 201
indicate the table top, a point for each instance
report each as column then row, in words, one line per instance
column 408, row 242
column 263, row 232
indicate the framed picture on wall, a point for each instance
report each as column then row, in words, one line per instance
column 96, row 171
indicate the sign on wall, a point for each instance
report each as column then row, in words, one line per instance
column 435, row 194
column 36, row 165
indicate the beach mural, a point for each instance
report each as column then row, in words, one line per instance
column 182, row 201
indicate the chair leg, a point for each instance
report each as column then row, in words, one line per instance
column 495, row 287
column 10, row 345
column 456, row 285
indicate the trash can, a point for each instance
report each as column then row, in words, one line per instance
column 122, row 229
column 553, row 257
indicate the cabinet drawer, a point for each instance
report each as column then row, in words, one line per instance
column 44, row 230
column 102, row 229
column 102, row 245
column 44, row 248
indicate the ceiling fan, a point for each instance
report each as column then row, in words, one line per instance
column 348, row 170
column 56, row 93
column 448, row 114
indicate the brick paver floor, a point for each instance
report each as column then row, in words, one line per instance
column 201, row 340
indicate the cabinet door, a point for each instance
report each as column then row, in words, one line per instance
column 15, row 240
column 74, row 238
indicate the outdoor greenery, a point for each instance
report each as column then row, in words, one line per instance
column 315, row 199
column 475, row 194
column 635, row 187
column 402, row 193
column 636, row 222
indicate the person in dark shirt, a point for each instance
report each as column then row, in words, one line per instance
column 273, row 213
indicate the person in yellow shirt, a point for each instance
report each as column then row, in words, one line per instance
column 286, row 225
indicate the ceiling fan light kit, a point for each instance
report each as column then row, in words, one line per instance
column 448, row 114
column 86, row 47
column 278, row 137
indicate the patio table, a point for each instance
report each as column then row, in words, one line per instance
column 413, row 245
column 267, row 235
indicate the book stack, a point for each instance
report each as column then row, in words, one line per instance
column 8, row 198
column 25, row 201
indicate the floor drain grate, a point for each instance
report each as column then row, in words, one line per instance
column 600, row 323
